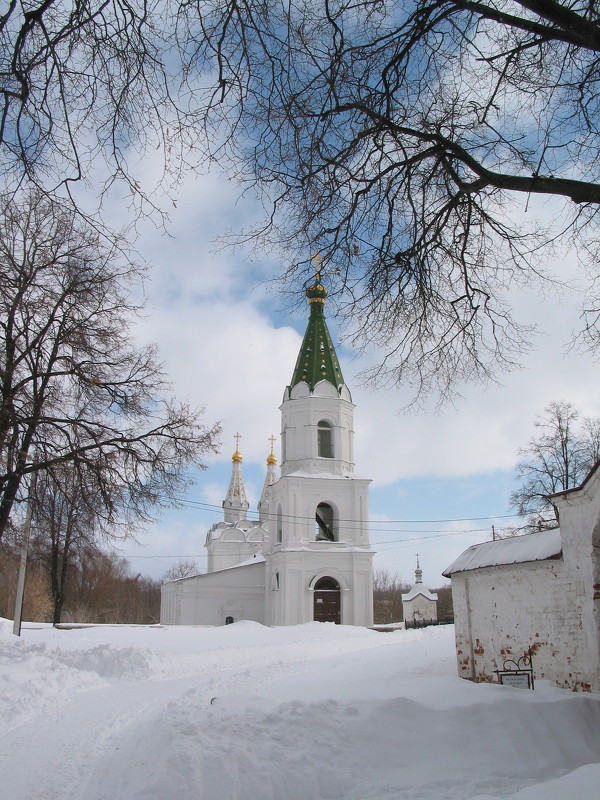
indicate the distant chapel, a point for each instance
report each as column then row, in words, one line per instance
column 307, row 556
column 419, row 605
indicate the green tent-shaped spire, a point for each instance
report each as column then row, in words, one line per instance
column 317, row 360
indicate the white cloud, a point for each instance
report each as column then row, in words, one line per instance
column 229, row 358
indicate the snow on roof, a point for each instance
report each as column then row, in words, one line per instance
column 323, row 475
column 242, row 525
column 418, row 589
column 257, row 558
column 516, row 550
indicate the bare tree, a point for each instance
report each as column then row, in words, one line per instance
column 445, row 606
column 184, row 568
column 37, row 600
column 102, row 588
column 387, row 596
column 92, row 86
column 558, row 457
column 67, row 517
column 73, row 387
column 393, row 137
column 99, row 587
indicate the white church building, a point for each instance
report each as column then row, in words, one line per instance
column 307, row 556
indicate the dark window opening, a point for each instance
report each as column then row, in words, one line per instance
column 325, row 439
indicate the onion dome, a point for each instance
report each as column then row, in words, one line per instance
column 237, row 456
column 317, row 292
column 271, row 458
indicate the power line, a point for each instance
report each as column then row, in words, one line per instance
column 295, row 517
column 418, row 535
column 399, row 543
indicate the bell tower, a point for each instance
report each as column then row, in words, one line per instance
column 319, row 560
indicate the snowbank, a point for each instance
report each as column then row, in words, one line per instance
column 246, row 712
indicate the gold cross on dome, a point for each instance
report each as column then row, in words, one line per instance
column 272, row 439
column 237, row 438
column 317, row 261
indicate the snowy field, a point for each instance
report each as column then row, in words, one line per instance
column 244, row 712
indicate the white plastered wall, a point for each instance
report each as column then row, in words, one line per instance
column 209, row 599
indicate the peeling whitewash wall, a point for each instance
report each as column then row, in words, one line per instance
column 552, row 606
column 501, row 612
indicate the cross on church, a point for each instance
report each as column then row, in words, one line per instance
column 272, row 440
column 237, row 438
column 317, row 260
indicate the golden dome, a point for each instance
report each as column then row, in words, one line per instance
column 236, row 457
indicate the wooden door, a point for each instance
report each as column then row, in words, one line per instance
column 327, row 601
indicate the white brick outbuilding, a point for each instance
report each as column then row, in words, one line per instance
column 538, row 591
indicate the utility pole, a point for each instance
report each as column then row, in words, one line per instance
column 23, row 564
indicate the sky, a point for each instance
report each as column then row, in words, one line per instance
column 440, row 479
column 246, row 712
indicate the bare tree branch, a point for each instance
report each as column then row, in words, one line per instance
column 76, row 397
column 558, row 457
column 393, row 138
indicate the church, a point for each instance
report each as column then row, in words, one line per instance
column 307, row 557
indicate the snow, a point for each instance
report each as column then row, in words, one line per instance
column 257, row 558
column 416, row 590
column 537, row 546
column 245, row 712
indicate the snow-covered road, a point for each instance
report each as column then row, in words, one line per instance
column 313, row 712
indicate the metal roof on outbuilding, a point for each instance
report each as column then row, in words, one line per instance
column 539, row 546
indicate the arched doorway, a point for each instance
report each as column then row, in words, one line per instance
column 327, row 601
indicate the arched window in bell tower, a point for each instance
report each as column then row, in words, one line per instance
column 324, row 439
column 325, row 527
column 279, row 525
